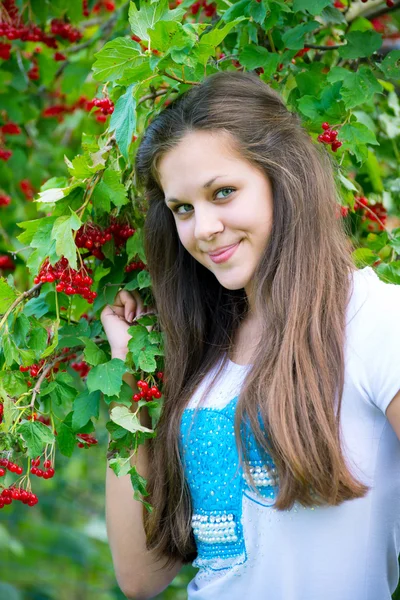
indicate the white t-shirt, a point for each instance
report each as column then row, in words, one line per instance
column 246, row 548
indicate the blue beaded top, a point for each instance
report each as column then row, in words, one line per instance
column 217, row 483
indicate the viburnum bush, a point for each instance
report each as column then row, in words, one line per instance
column 80, row 82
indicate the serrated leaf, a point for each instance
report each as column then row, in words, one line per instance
column 86, row 406
column 107, row 377
column 122, row 416
column 357, row 133
column 360, row 44
column 314, row 7
column 93, row 354
column 149, row 14
column 114, row 58
column 121, row 466
column 138, row 483
column 294, row 38
column 36, row 435
column 109, row 189
column 359, row 88
column 364, row 257
column 390, row 66
column 348, row 184
column 62, row 234
column 253, row 57
column 134, row 245
column 7, row 295
column 123, row 120
column 66, row 439
column 218, row 34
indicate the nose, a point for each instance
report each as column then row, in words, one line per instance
column 207, row 224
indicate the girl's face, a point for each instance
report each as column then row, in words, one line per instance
column 218, row 199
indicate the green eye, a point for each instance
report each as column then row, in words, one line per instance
column 175, row 209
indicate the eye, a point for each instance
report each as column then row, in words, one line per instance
column 177, row 206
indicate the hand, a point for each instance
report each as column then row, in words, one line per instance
column 117, row 318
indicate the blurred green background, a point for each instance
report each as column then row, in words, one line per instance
column 58, row 549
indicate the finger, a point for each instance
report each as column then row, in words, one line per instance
column 139, row 303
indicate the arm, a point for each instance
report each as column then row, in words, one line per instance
column 393, row 414
column 135, row 567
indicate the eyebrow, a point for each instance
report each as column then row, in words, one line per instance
column 205, row 186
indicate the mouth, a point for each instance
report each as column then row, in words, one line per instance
column 224, row 255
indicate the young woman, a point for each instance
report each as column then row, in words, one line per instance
column 276, row 466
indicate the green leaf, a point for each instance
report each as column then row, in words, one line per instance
column 86, row 406
column 218, row 34
column 121, row 466
column 357, row 88
column 253, row 57
column 134, row 245
column 364, row 257
column 122, row 416
column 14, row 382
column 7, row 295
column 123, row 120
column 150, row 14
column 357, row 133
column 107, row 377
column 62, row 234
column 294, row 38
column 10, row 350
column 360, row 44
column 314, row 7
column 93, row 354
column 390, row 125
column 36, row 435
column 114, row 58
column 66, row 439
column 109, row 189
column 390, row 66
column 138, row 484
column 124, row 396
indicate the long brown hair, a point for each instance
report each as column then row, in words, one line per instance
column 302, row 285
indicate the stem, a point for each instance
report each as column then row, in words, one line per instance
column 271, row 41
column 20, row 299
column 175, row 78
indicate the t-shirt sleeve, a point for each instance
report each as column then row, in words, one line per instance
column 382, row 350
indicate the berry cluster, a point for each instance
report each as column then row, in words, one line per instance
column 33, row 369
column 92, row 237
column 135, row 266
column 41, row 418
column 13, row 493
column 120, row 232
column 70, row 281
column 6, row 264
column 65, row 30
column 14, row 29
column 88, row 440
column 377, row 213
column 47, row 474
column 5, row 51
column 208, row 9
column 107, row 5
column 329, row 137
column 27, row 189
column 105, row 107
column 33, row 72
column 4, row 200
column 5, row 154
column 10, row 466
column 81, row 367
column 10, row 128
column 146, row 393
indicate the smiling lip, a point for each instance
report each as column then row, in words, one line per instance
column 222, row 250
column 225, row 255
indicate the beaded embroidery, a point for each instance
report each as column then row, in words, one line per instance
column 217, row 483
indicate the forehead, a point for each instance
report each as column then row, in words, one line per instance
column 198, row 155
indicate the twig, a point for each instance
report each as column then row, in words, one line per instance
column 20, row 299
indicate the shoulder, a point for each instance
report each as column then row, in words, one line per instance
column 373, row 300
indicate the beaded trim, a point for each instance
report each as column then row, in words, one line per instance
column 217, row 483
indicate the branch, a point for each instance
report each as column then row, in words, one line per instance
column 376, row 13
column 20, row 299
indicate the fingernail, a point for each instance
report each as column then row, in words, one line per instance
column 130, row 317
